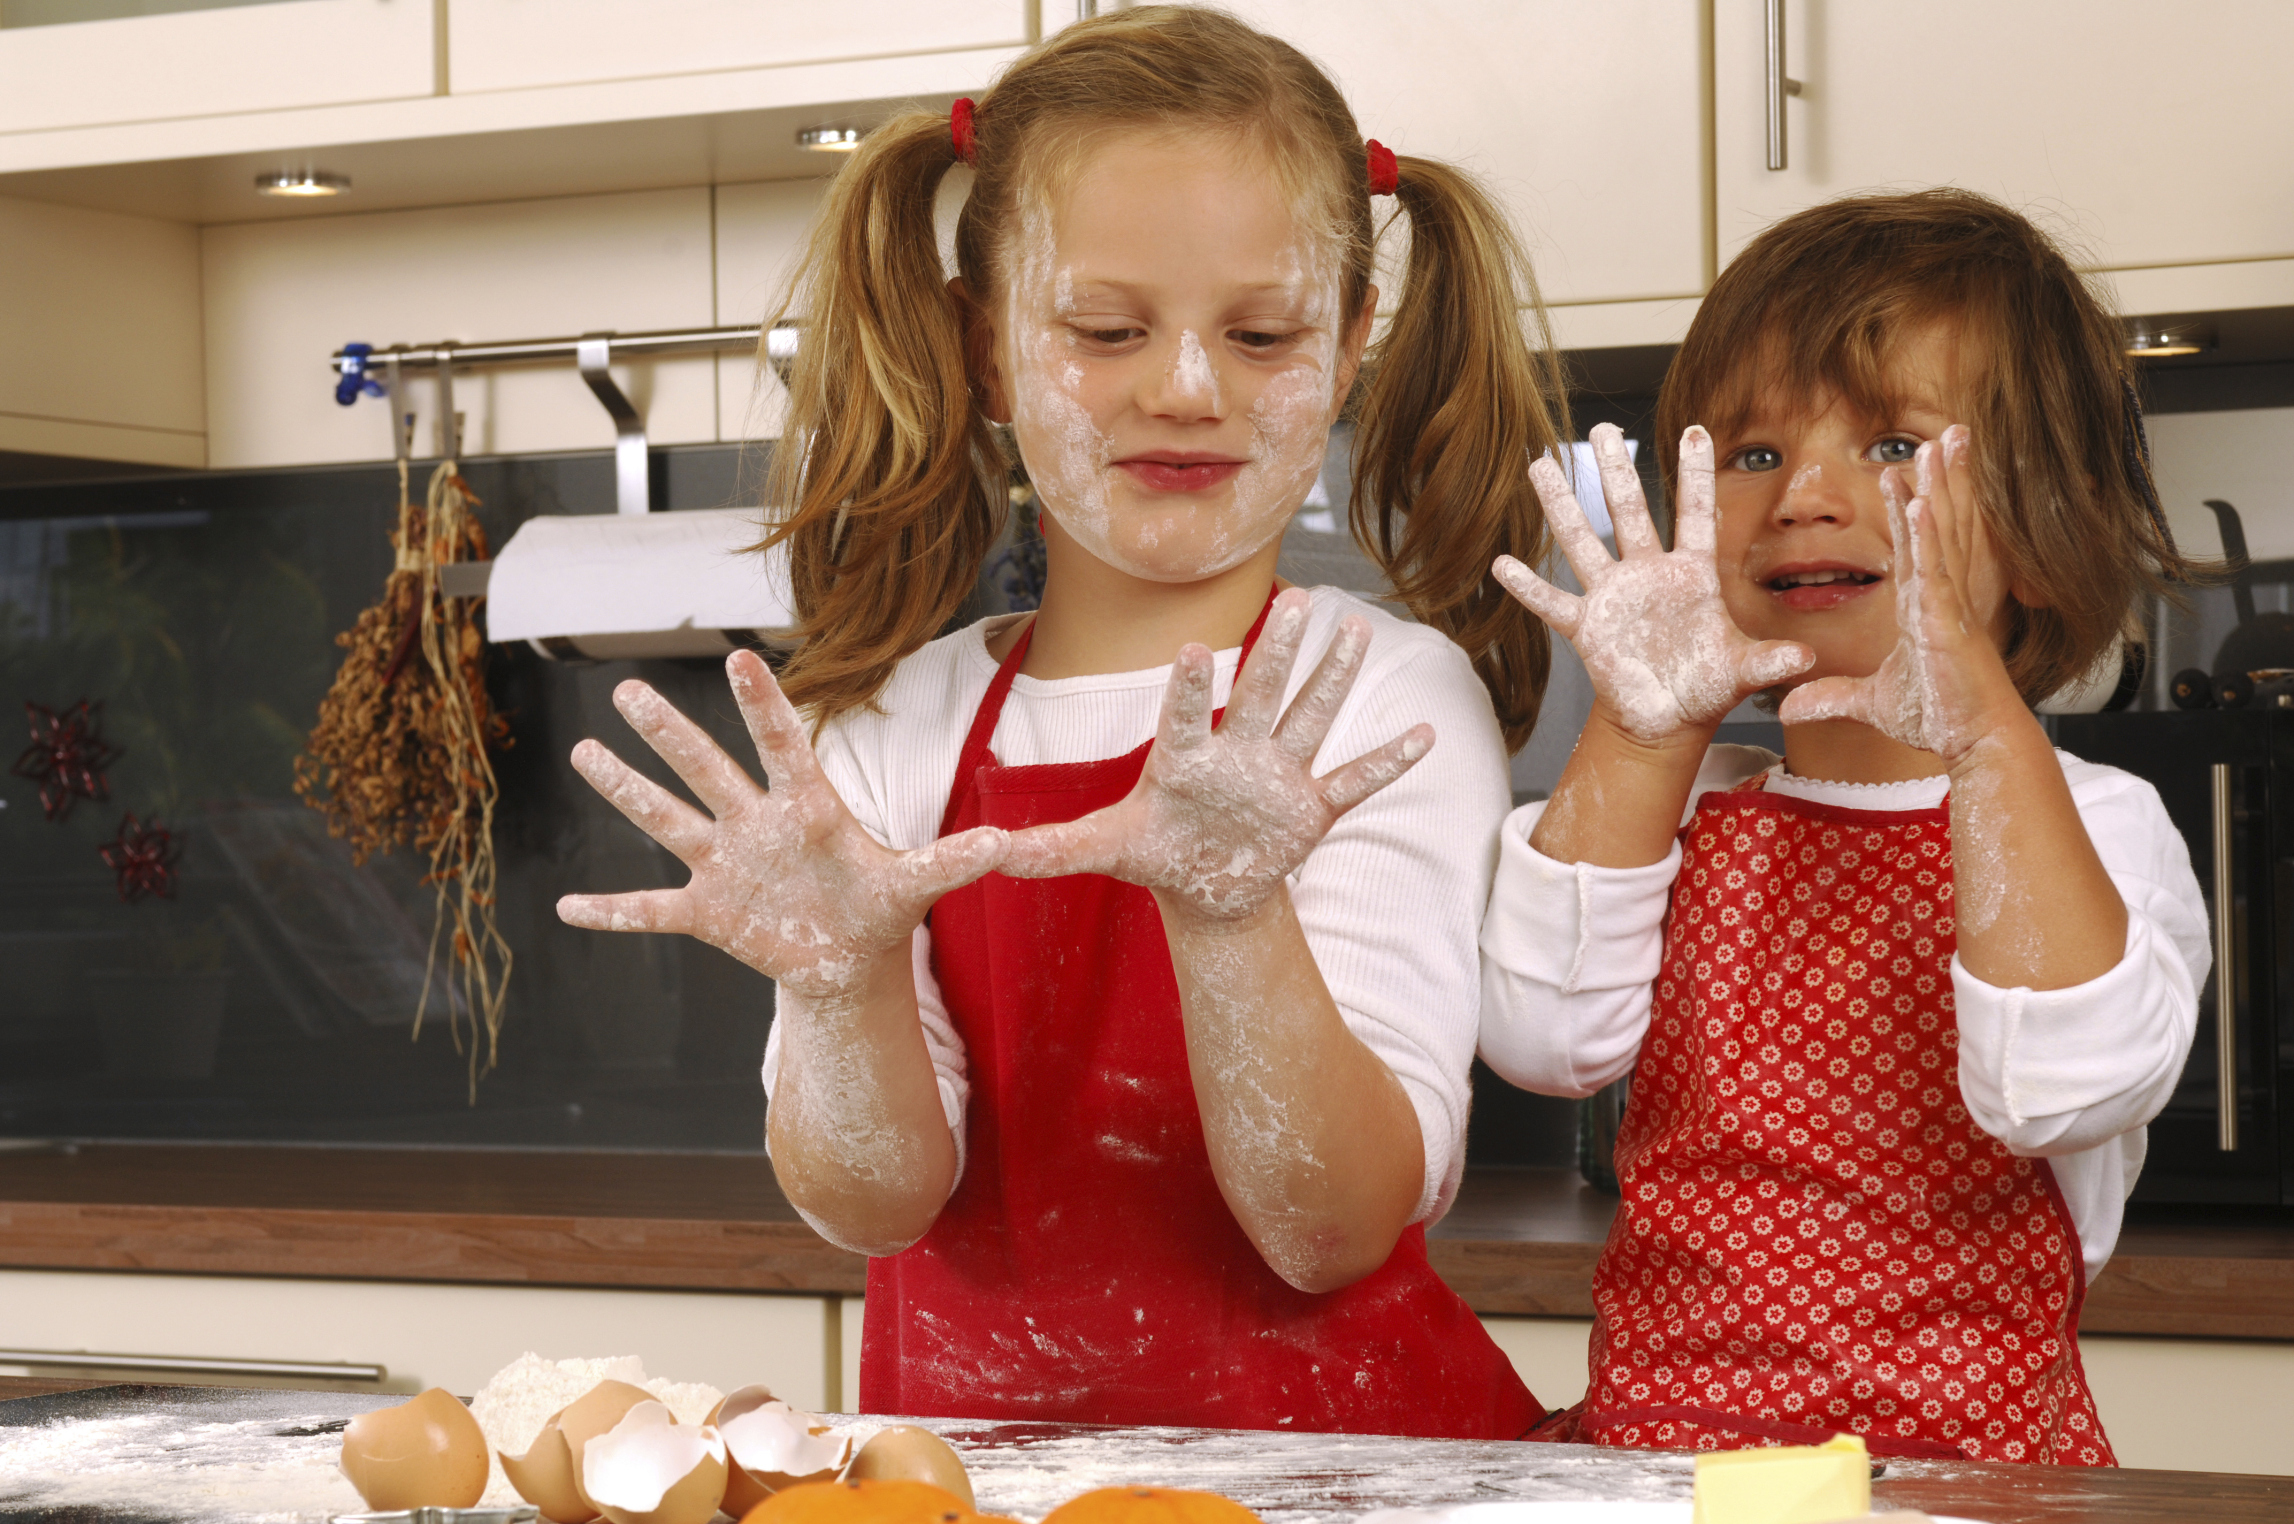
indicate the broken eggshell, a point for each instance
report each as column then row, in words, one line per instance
column 427, row 1453
column 588, row 1416
column 905, row 1453
column 650, row 1469
column 544, row 1476
column 771, row 1445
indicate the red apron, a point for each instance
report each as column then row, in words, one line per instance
column 1086, row 1268
column 1815, row 1236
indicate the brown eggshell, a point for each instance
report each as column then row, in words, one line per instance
column 591, row 1414
column 544, row 1477
column 763, row 1429
column 428, row 1453
column 905, row 1453
column 649, row 1469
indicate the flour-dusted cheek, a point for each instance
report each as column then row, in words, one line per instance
column 1290, row 428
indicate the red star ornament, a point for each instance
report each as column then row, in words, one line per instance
column 67, row 756
column 144, row 857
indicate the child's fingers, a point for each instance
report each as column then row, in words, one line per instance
column 1186, row 721
column 714, row 777
column 1960, row 519
column 1345, row 787
column 1621, row 485
column 1588, row 557
column 1931, row 482
column 774, row 726
column 1693, row 527
column 1256, row 701
column 1563, row 611
column 660, row 814
column 1828, row 698
column 922, row 876
column 1310, row 715
column 1772, row 661
column 644, row 910
column 1093, row 844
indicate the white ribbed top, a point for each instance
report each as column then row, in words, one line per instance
column 1391, row 901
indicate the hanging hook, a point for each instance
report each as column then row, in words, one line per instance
column 632, row 487
column 449, row 421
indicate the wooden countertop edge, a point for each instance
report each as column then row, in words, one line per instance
column 2174, row 1296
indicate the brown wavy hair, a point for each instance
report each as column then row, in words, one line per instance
column 890, row 480
column 1812, row 312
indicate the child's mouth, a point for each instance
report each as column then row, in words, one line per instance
column 1174, row 472
column 1813, row 589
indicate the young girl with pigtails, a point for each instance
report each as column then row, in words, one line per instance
column 1126, row 960
column 1897, row 1006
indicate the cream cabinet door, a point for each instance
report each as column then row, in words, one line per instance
column 1586, row 119
column 523, row 44
column 2146, row 133
column 215, row 62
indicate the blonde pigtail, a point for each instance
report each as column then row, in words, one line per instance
column 1459, row 395
column 886, row 487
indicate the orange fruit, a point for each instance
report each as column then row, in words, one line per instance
column 899, row 1502
column 1150, row 1505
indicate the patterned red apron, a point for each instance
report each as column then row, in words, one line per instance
column 1815, row 1236
column 1086, row 1268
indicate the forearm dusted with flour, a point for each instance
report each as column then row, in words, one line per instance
column 1315, row 1145
column 859, row 1141
column 789, row 883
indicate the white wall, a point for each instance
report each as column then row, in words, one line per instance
column 282, row 296
column 2246, row 458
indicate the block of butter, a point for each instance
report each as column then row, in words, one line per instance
column 1798, row 1484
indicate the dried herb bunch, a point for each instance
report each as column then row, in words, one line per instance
column 399, row 753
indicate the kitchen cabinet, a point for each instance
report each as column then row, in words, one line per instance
column 525, row 44
column 215, row 62
column 99, row 336
column 433, row 1334
column 2143, row 134
column 1586, row 120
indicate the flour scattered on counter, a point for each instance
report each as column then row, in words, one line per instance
column 167, row 1465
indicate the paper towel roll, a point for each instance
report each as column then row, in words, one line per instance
column 613, row 585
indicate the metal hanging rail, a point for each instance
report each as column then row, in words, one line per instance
column 362, row 368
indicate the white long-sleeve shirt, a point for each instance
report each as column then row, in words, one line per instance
column 1391, row 901
column 1570, row 952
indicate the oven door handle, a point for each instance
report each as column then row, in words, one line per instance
column 2225, row 967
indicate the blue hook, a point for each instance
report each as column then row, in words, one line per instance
column 354, row 376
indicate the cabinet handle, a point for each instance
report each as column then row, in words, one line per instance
column 2225, row 969
column 1779, row 86
column 191, row 1365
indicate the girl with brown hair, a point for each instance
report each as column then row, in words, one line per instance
column 1897, row 1006
column 1146, row 1126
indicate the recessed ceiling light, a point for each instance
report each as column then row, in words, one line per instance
column 829, row 139
column 2149, row 342
column 302, row 182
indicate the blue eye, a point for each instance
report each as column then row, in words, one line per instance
column 1758, row 458
column 1896, row 451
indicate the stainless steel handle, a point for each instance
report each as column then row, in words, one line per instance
column 2225, row 969
column 193, row 1365
column 1779, row 86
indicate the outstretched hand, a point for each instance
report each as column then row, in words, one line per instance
column 787, row 881
column 1651, row 628
column 1220, row 817
column 1944, row 687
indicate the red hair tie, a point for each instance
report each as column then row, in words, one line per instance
column 1385, row 174
column 960, row 128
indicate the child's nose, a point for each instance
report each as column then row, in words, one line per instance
column 1188, row 387
column 1814, row 495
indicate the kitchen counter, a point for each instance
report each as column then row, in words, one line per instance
column 112, row 1455
column 1520, row 1242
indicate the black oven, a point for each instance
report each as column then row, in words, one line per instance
column 2227, row 779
